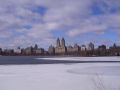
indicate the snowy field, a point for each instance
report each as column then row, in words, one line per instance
column 84, row 58
column 80, row 76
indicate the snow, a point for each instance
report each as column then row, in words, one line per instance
column 81, row 76
column 84, row 58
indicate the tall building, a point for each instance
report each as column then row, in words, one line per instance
column 58, row 43
column 63, row 42
column 60, row 47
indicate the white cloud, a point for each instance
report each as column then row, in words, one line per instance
column 71, row 16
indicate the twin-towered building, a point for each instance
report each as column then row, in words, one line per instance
column 62, row 49
column 83, row 50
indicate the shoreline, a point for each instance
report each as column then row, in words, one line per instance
column 53, row 56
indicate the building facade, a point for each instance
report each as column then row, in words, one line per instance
column 60, row 48
column 51, row 50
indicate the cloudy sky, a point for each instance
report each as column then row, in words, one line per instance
column 26, row 22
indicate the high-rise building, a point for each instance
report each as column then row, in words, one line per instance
column 60, row 47
column 58, row 43
column 63, row 42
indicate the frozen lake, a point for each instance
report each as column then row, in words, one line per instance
column 17, row 60
column 62, row 76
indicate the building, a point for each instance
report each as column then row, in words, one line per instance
column 69, row 50
column 83, row 48
column 17, row 50
column 102, row 50
column 8, row 52
column 60, row 47
column 32, row 50
column 0, row 51
column 90, row 50
column 90, row 46
column 102, row 47
column 73, row 50
column 58, row 43
column 37, row 51
column 27, row 51
column 36, row 47
column 76, row 48
column 114, row 50
column 62, row 43
column 51, row 50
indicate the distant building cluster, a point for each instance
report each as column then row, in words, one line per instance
column 62, row 50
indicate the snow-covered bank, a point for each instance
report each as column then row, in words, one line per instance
column 83, row 58
column 82, row 76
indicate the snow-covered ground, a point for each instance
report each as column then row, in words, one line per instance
column 84, row 58
column 82, row 76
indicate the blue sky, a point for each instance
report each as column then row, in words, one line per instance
column 24, row 22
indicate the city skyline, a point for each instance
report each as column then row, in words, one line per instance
column 24, row 23
column 61, row 49
column 55, row 44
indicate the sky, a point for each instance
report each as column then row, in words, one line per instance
column 28, row 22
